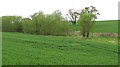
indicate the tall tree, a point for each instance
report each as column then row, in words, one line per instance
column 73, row 15
column 28, row 26
column 11, row 23
column 87, row 19
column 38, row 18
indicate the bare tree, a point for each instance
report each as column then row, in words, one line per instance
column 73, row 15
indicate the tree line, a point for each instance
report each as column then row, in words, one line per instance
column 51, row 24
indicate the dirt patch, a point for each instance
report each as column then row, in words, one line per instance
column 105, row 34
column 74, row 33
column 77, row 33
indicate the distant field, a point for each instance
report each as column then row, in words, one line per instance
column 106, row 26
column 0, row 48
column 102, row 26
column 27, row 49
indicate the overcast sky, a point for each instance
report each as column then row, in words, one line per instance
column 107, row 8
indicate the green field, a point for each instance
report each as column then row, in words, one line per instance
column 106, row 26
column 110, row 26
column 24, row 49
column 0, row 48
column 30, row 49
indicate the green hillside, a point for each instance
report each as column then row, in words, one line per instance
column 101, row 26
column 28, row 49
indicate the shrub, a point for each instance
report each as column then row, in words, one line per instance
column 54, row 25
column 11, row 23
column 51, row 24
column 28, row 26
column 7, row 24
column 38, row 19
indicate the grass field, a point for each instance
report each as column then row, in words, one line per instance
column 106, row 26
column 28, row 49
column 0, row 48
column 110, row 26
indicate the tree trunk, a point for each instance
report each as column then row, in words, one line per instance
column 73, row 22
column 87, row 35
column 83, row 35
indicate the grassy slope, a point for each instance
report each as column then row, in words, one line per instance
column 106, row 26
column 19, row 48
column 102, row 26
column 0, row 48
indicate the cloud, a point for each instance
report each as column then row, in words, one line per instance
column 107, row 8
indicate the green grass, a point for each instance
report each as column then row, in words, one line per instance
column 0, row 48
column 28, row 49
column 106, row 26
column 101, row 26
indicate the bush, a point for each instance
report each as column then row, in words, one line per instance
column 11, row 23
column 54, row 25
column 51, row 24
column 28, row 26
column 38, row 19
column 7, row 24
column 85, row 22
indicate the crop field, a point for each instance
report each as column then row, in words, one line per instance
column 110, row 26
column 31, row 49
column 106, row 26
column 0, row 48
column 58, row 33
column 28, row 49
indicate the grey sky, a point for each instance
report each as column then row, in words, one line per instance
column 107, row 8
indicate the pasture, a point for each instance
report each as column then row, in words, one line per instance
column 110, row 26
column 31, row 49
